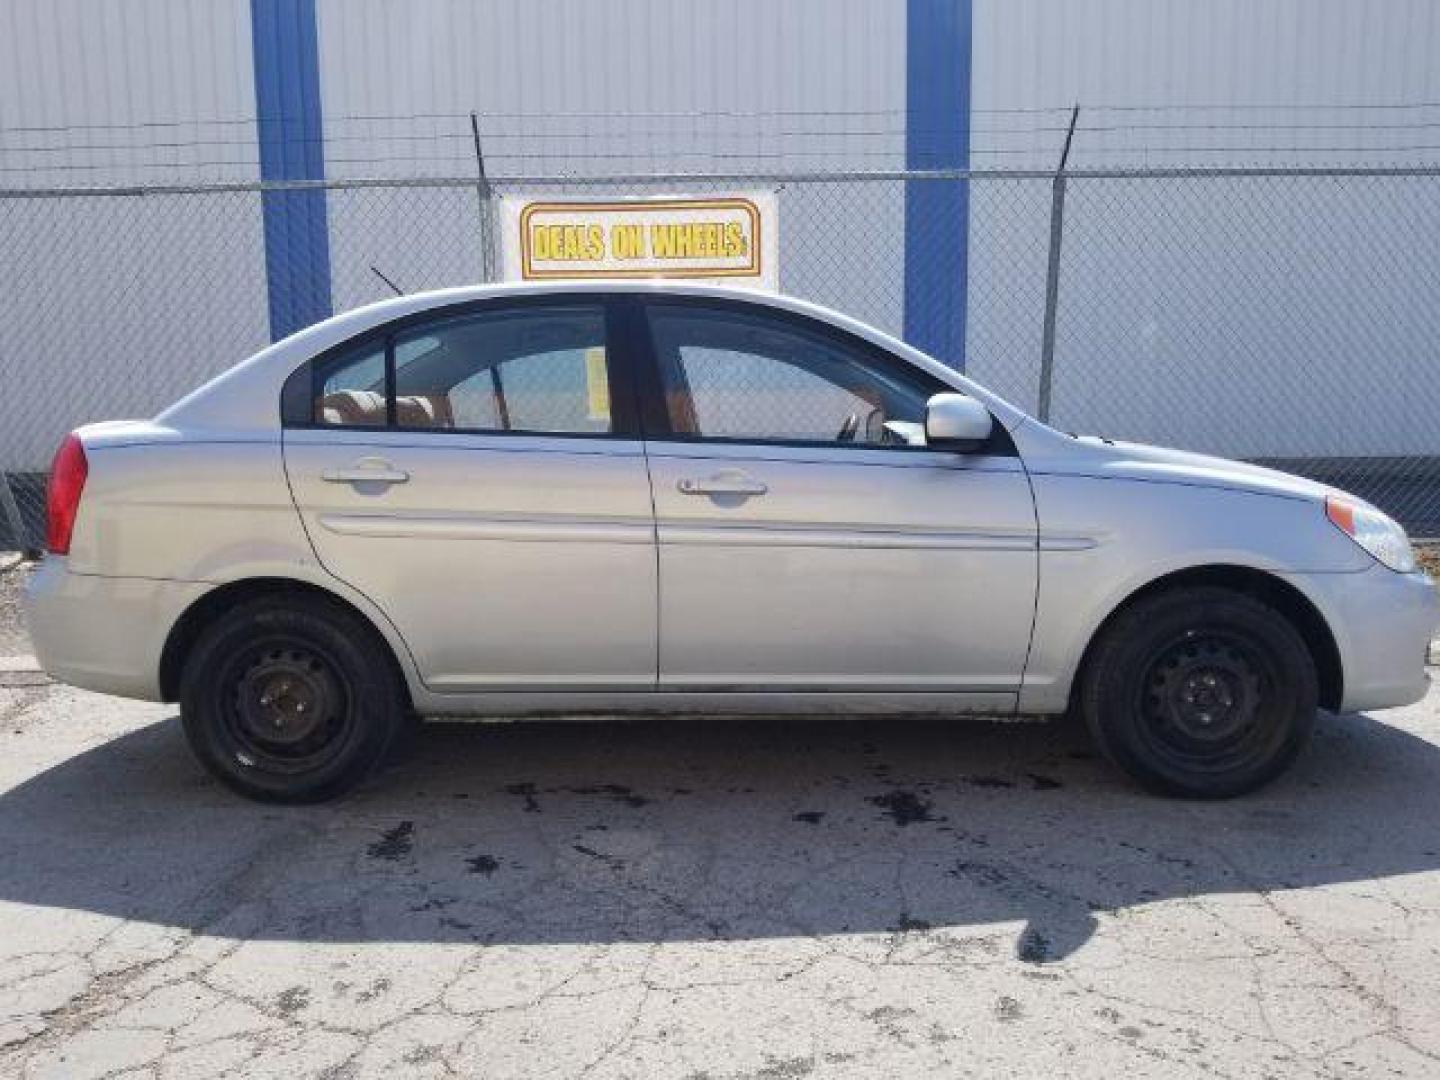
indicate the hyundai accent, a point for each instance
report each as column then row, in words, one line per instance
column 594, row 498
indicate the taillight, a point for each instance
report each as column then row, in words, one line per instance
column 62, row 494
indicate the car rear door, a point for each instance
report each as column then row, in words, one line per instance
column 807, row 541
column 478, row 473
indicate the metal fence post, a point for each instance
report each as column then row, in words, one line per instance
column 1052, row 273
column 486, row 196
column 13, row 518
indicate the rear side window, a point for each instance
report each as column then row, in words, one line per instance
column 539, row 370
column 352, row 391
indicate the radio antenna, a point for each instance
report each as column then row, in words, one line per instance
column 395, row 288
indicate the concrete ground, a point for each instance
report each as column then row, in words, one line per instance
column 718, row 899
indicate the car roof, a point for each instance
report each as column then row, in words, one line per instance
column 247, row 395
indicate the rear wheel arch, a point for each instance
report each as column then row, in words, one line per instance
column 1261, row 585
column 204, row 611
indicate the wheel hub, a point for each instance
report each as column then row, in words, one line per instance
column 286, row 699
column 1204, row 691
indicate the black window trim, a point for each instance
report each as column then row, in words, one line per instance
column 298, row 394
column 655, row 417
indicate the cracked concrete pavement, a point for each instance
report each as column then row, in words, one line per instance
column 772, row 898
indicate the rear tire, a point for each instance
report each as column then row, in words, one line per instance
column 1200, row 692
column 291, row 700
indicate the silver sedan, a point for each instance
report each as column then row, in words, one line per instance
column 598, row 498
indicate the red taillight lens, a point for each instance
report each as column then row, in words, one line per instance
column 62, row 494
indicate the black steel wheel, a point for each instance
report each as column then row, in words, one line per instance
column 1203, row 692
column 289, row 712
column 291, row 699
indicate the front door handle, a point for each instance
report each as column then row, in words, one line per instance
column 723, row 483
column 366, row 471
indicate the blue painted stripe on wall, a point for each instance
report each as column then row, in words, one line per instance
column 287, row 102
column 937, row 212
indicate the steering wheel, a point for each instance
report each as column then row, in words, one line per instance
column 849, row 428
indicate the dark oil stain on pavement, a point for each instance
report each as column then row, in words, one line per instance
column 989, row 782
column 785, row 1069
column 526, row 791
column 482, row 864
column 907, row 924
column 394, row 843
column 982, row 874
column 609, row 860
column 905, row 807
column 291, row 1001
column 1008, row 1010
column 619, row 792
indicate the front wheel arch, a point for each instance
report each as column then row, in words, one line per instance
column 1274, row 591
column 204, row 611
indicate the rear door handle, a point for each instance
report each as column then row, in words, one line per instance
column 366, row 471
column 724, row 483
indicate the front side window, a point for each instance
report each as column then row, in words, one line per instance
column 730, row 373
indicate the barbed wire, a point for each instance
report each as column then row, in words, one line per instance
column 682, row 114
column 466, row 135
column 661, row 139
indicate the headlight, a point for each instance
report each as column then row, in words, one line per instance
column 1372, row 530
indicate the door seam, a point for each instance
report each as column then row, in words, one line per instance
column 655, row 548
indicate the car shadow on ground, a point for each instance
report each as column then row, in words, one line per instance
column 724, row 829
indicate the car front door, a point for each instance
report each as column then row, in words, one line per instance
column 478, row 475
column 808, row 540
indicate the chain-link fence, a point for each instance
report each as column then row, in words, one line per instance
column 1284, row 316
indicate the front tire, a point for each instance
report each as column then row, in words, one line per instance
column 1200, row 692
column 291, row 699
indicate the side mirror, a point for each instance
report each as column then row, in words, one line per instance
column 956, row 422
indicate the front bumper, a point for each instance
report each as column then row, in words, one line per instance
column 103, row 633
column 1383, row 623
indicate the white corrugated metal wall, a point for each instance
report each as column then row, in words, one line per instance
column 1282, row 307
column 146, row 92
column 165, row 91
column 1235, row 71
column 581, row 89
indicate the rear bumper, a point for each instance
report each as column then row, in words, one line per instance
column 1383, row 623
column 104, row 633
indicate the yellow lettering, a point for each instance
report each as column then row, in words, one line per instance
column 734, row 240
column 627, row 241
column 698, row 240
column 632, row 240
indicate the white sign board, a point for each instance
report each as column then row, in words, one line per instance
column 718, row 238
